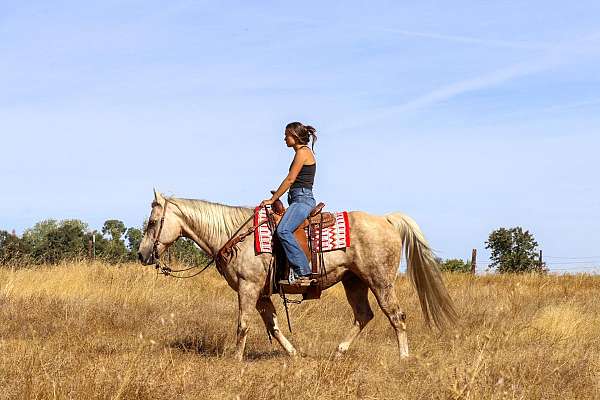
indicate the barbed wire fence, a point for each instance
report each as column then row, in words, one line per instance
column 564, row 264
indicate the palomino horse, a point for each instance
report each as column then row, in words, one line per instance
column 371, row 262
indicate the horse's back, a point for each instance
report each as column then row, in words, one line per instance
column 372, row 235
column 371, row 225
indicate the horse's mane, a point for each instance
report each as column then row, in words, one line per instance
column 211, row 218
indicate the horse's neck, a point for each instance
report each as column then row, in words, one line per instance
column 211, row 224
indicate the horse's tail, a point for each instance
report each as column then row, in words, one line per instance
column 423, row 272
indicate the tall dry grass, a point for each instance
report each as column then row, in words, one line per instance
column 87, row 331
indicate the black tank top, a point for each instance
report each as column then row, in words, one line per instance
column 306, row 177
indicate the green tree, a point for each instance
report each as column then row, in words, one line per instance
column 50, row 241
column 36, row 238
column 114, row 228
column 455, row 265
column 12, row 248
column 134, row 238
column 113, row 250
column 514, row 250
column 66, row 242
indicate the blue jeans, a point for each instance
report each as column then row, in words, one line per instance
column 301, row 203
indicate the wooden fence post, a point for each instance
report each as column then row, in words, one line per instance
column 473, row 261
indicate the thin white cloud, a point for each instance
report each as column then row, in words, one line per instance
column 560, row 54
column 570, row 106
column 523, row 45
column 470, row 40
column 553, row 109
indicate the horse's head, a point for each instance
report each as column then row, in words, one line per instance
column 164, row 227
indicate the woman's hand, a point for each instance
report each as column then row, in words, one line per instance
column 267, row 202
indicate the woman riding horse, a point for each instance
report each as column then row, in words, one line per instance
column 299, row 181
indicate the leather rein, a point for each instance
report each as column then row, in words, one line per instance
column 223, row 256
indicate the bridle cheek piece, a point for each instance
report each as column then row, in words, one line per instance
column 157, row 237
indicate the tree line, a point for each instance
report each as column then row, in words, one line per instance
column 51, row 242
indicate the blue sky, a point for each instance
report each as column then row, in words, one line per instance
column 468, row 117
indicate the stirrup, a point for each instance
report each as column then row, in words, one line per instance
column 294, row 279
column 300, row 282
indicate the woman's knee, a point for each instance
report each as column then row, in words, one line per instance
column 282, row 230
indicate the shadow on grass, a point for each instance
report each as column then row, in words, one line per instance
column 263, row 355
column 210, row 347
column 215, row 347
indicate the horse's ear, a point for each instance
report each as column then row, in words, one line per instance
column 158, row 198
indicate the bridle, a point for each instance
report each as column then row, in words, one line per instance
column 157, row 237
column 223, row 256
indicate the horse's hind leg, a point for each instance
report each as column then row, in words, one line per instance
column 267, row 312
column 357, row 294
column 386, row 297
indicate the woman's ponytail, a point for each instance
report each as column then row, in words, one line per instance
column 311, row 132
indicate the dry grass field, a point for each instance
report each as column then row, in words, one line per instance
column 93, row 331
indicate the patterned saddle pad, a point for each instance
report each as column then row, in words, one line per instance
column 333, row 238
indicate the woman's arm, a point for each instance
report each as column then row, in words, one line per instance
column 299, row 159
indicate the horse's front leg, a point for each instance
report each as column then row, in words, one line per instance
column 247, row 298
column 267, row 311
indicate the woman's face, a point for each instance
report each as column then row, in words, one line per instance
column 290, row 141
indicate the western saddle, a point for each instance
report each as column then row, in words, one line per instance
column 312, row 247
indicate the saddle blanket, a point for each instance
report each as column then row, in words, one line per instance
column 333, row 238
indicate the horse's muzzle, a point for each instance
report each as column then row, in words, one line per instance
column 146, row 261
